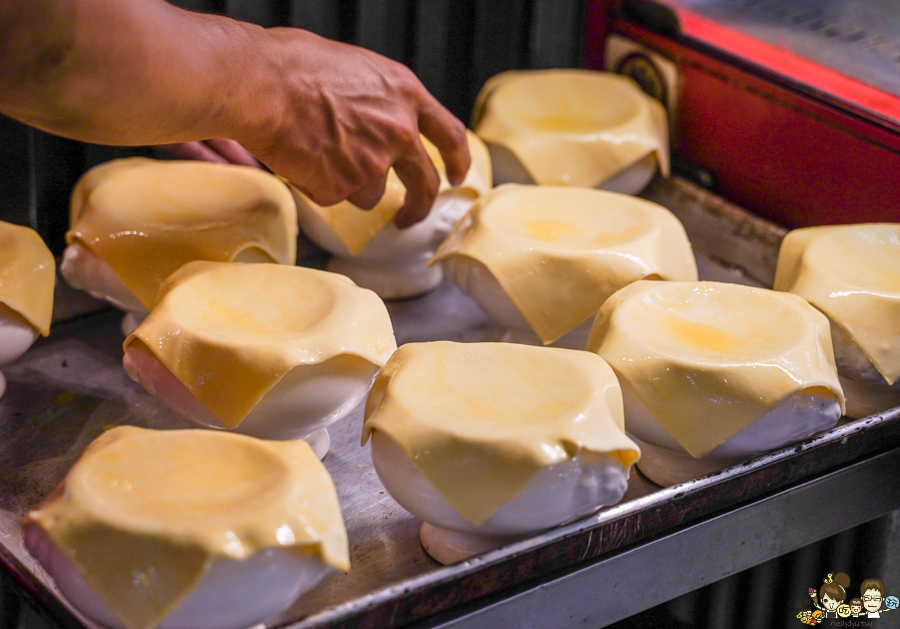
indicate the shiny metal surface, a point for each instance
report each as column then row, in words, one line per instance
column 68, row 387
column 858, row 38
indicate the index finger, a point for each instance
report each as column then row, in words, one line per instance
column 448, row 134
column 422, row 182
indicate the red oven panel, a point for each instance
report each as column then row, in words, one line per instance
column 781, row 135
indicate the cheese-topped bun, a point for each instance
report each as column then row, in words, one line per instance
column 716, row 371
column 545, row 258
column 492, row 440
column 368, row 247
column 852, row 274
column 188, row 529
column 572, row 128
column 135, row 221
column 27, row 278
column 268, row 350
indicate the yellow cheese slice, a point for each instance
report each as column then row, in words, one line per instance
column 480, row 420
column 355, row 227
column 852, row 274
column 571, row 127
column 560, row 252
column 27, row 275
column 230, row 331
column 143, row 513
column 708, row 359
column 145, row 218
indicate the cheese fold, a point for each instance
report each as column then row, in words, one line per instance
column 480, row 420
column 852, row 274
column 355, row 227
column 560, row 252
column 27, row 275
column 708, row 359
column 571, row 127
column 230, row 331
column 143, row 514
column 146, row 218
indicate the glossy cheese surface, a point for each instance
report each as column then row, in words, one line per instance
column 230, row 331
column 852, row 274
column 142, row 513
column 27, row 275
column 495, row 414
column 571, row 127
column 560, row 252
column 708, row 359
column 146, row 218
column 355, row 227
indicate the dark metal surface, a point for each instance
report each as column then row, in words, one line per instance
column 697, row 554
column 69, row 387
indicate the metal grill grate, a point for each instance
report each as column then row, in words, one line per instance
column 771, row 594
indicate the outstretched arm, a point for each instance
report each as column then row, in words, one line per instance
column 329, row 117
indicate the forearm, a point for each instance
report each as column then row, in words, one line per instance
column 131, row 72
column 329, row 117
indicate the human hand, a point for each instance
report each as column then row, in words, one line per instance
column 219, row 150
column 344, row 116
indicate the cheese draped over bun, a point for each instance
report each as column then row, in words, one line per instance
column 480, row 420
column 571, row 127
column 27, row 275
column 230, row 331
column 146, row 218
column 355, row 227
column 708, row 359
column 143, row 513
column 852, row 274
column 559, row 252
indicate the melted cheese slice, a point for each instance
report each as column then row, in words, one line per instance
column 355, row 227
column 571, row 127
column 146, row 218
column 230, row 331
column 481, row 419
column 143, row 513
column 27, row 275
column 852, row 274
column 559, row 253
column 708, row 359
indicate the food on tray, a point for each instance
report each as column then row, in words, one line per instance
column 572, row 128
column 368, row 247
column 135, row 221
column 27, row 278
column 489, row 441
column 545, row 258
column 852, row 274
column 269, row 350
column 712, row 372
column 188, row 528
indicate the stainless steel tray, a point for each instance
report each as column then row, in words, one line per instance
column 69, row 387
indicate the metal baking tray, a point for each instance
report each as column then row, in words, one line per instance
column 71, row 386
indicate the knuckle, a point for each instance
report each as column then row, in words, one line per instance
column 332, row 194
column 407, row 134
column 458, row 133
